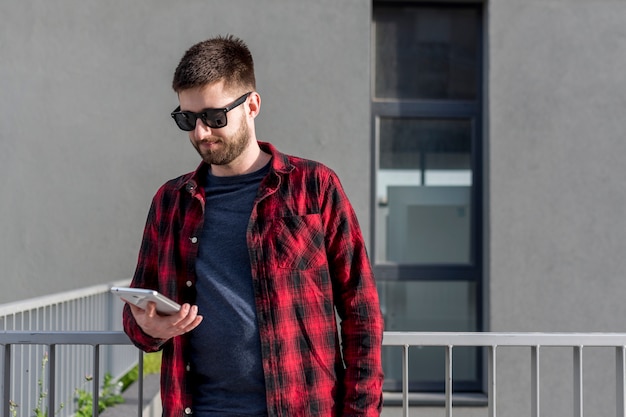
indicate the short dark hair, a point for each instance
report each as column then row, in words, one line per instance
column 224, row 58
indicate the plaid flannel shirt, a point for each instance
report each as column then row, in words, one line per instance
column 308, row 257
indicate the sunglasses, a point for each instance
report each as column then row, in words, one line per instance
column 213, row 118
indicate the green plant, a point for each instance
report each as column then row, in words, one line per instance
column 13, row 408
column 151, row 365
column 40, row 410
column 109, row 396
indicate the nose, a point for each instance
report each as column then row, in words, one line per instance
column 201, row 130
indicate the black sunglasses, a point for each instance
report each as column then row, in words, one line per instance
column 213, row 118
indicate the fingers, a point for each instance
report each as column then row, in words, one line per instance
column 189, row 319
column 166, row 327
column 137, row 311
column 186, row 310
column 151, row 310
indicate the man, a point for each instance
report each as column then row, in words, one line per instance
column 260, row 248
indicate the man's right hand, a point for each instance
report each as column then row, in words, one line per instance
column 166, row 327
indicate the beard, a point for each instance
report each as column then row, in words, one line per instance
column 231, row 147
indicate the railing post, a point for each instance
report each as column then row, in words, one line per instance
column 140, row 382
column 578, row 381
column 96, row 381
column 491, row 368
column 535, row 382
column 6, row 381
column 405, row 380
column 620, row 375
column 449, row 381
column 51, row 379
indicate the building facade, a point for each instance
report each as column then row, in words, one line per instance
column 480, row 143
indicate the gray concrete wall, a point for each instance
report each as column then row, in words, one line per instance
column 557, row 194
column 85, row 132
column 557, row 233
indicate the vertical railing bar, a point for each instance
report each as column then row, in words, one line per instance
column 15, row 352
column 140, row 382
column 57, row 316
column 449, row 381
column 96, row 380
column 492, row 404
column 24, row 356
column 71, row 360
column 48, row 317
column 405, row 380
column 6, row 381
column 52, row 366
column 28, row 364
column 620, row 375
column 66, row 354
column 83, row 351
column 578, row 381
column 535, row 381
column 11, row 374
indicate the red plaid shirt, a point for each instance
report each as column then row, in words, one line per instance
column 308, row 257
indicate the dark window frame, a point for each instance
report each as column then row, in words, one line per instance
column 472, row 110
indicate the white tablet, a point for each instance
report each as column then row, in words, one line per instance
column 140, row 297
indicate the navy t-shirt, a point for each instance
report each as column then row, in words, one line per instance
column 225, row 347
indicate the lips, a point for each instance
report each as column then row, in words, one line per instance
column 209, row 143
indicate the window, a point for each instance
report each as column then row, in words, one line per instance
column 427, row 232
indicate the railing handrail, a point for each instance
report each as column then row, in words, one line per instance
column 390, row 338
column 52, row 299
column 595, row 339
column 87, row 338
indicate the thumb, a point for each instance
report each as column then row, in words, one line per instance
column 151, row 309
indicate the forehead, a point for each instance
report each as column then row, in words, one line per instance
column 209, row 96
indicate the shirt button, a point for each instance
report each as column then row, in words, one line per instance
column 188, row 410
column 189, row 283
column 194, row 240
column 188, row 367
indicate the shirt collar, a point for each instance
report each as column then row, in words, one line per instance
column 280, row 166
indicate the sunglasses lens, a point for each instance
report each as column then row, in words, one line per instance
column 214, row 119
column 185, row 121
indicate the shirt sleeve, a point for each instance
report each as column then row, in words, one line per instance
column 357, row 303
column 146, row 276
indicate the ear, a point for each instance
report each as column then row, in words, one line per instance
column 254, row 104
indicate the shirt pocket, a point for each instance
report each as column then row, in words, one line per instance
column 298, row 242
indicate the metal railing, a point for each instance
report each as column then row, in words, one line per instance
column 91, row 309
column 11, row 339
column 494, row 341
column 81, row 331
column 491, row 341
